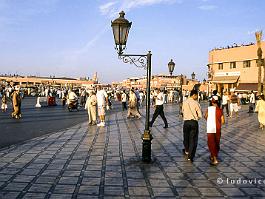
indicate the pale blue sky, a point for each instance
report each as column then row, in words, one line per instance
column 74, row 38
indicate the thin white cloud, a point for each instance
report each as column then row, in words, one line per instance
column 91, row 42
column 112, row 8
column 73, row 56
column 130, row 4
column 207, row 7
column 107, row 8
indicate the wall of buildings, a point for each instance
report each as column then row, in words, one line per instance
column 157, row 81
column 223, row 71
column 32, row 81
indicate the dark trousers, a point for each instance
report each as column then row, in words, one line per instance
column 159, row 111
column 124, row 106
column 226, row 108
column 190, row 137
column 251, row 107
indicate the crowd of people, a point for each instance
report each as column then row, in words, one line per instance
column 234, row 45
column 98, row 101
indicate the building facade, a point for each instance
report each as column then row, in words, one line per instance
column 167, row 82
column 234, row 67
column 32, row 81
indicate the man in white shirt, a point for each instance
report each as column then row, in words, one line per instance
column 72, row 96
column 159, row 109
column 102, row 101
column 252, row 102
column 225, row 99
column 124, row 100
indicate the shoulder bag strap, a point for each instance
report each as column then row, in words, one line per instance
column 191, row 112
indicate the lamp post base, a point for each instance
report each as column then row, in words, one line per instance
column 146, row 148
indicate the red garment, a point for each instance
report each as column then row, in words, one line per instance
column 214, row 138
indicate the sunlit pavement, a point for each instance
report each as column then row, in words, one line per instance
column 92, row 162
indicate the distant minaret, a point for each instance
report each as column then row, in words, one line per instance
column 95, row 77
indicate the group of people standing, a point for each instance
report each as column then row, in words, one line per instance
column 16, row 99
column 97, row 102
column 232, row 102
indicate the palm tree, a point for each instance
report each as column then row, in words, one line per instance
column 258, row 35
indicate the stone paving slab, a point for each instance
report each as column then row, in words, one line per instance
column 92, row 162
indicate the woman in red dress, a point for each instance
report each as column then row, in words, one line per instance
column 215, row 119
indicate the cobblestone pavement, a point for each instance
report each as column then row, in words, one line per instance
column 92, row 162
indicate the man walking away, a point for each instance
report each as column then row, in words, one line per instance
column 191, row 114
column 225, row 100
column 159, row 109
column 252, row 102
column 124, row 100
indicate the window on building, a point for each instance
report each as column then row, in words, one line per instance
column 220, row 66
column 232, row 64
column 246, row 64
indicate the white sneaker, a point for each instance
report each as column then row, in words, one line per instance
column 101, row 124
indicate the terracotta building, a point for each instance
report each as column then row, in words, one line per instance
column 167, row 82
column 234, row 67
column 157, row 81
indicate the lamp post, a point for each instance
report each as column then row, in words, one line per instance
column 258, row 35
column 121, row 27
column 193, row 76
column 171, row 66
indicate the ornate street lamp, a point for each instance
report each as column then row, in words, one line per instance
column 121, row 27
column 258, row 35
column 171, row 66
column 193, row 76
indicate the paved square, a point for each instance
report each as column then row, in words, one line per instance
column 91, row 162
